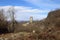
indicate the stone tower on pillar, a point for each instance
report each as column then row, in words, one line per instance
column 31, row 19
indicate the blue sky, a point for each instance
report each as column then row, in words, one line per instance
column 25, row 8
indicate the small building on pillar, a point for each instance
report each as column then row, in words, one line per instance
column 31, row 19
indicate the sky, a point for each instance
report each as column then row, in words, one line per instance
column 25, row 8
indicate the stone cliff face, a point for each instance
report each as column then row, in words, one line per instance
column 53, row 17
column 53, row 20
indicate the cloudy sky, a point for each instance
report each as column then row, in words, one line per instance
column 25, row 8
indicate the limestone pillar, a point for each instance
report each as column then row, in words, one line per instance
column 31, row 19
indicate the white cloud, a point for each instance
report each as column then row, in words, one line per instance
column 29, row 9
column 23, row 13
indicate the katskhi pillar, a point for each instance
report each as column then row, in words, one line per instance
column 31, row 19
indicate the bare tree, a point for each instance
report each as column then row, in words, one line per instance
column 3, row 22
column 2, row 15
column 12, row 13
